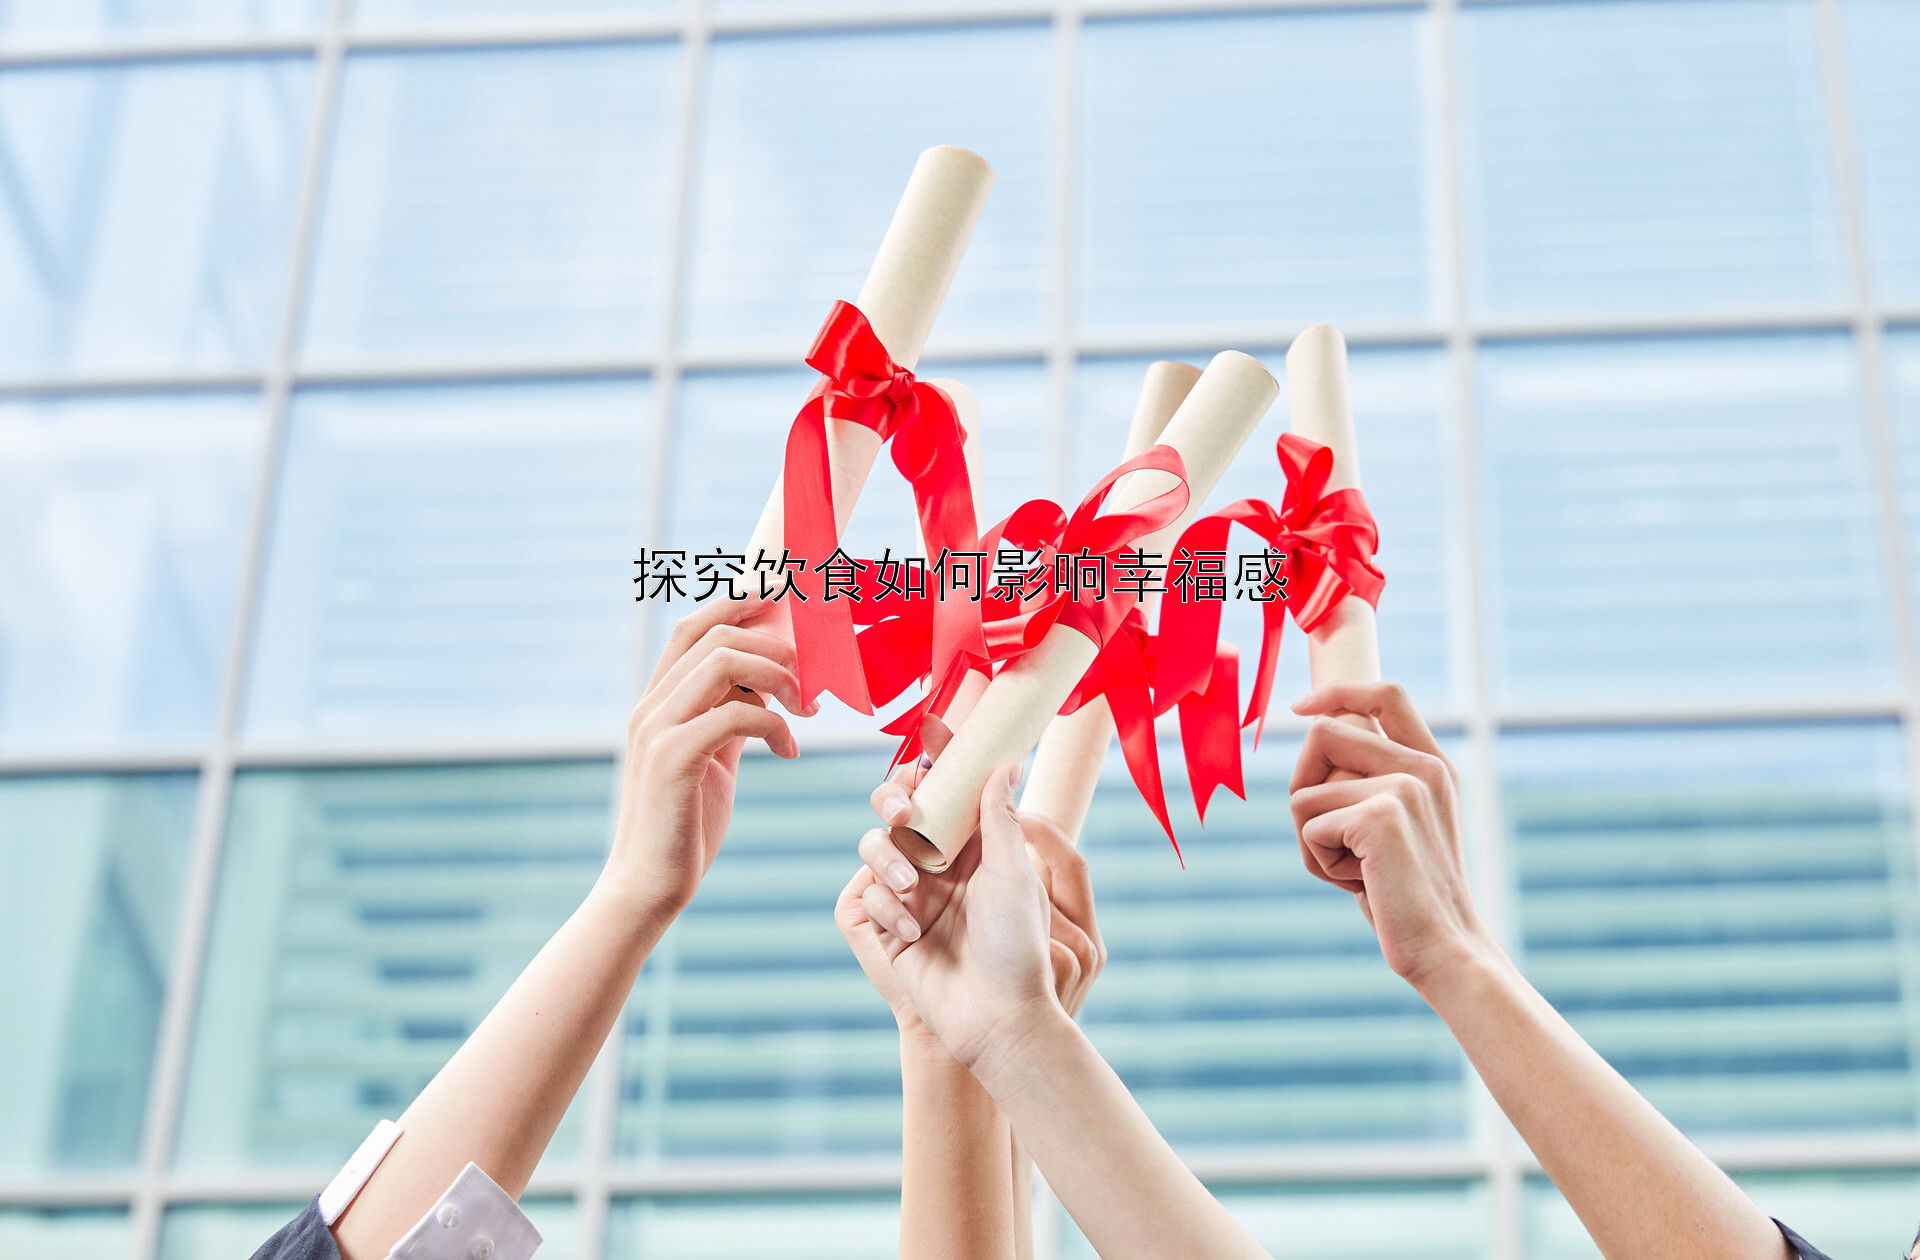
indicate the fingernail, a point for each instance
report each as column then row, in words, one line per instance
column 898, row 811
column 900, row 876
column 1013, row 776
column 907, row 930
column 811, row 709
column 926, row 762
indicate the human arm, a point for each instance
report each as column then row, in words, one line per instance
column 964, row 1179
column 497, row 1102
column 978, row 974
column 1392, row 836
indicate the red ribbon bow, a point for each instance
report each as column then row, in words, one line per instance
column 863, row 385
column 1329, row 540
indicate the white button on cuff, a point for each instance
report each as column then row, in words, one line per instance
column 474, row 1220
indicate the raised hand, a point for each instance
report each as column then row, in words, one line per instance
column 707, row 697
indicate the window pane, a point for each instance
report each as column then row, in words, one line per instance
column 1245, row 1002
column 1667, row 514
column 367, row 921
column 454, row 560
column 146, row 215
column 501, row 202
column 809, row 142
column 32, row 18
column 753, row 1031
column 1398, row 401
column 1653, row 155
column 1359, row 1222
column 377, row 13
column 1727, row 915
column 1903, row 367
column 90, row 873
column 193, row 1233
column 822, row 1227
column 1254, row 171
column 65, row 1234
column 1883, row 53
column 126, row 522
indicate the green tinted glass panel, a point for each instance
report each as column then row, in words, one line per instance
column 65, row 1234
column 367, row 920
column 1727, row 914
column 204, row 1232
column 813, row 1227
column 753, row 1031
column 1244, row 1001
column 90, row 872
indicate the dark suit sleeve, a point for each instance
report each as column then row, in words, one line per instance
column 1801, row 1247
column 306, row 1237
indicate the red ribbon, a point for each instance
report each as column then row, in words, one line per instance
column 1329, row 540
column 861, row 384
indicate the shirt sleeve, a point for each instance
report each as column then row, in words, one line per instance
column 1801, row 1247
column 474, row 1220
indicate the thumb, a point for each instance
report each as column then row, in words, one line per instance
column 1001, row 840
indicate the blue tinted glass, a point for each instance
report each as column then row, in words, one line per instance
column 90, row 874
column 1650, row 155
column 1726, row 915
column 753, row 1031
column 146, row 213
column 1903, row 367
column 506, row 201
column 1398, row 398
column 809, row 142
column 809, row 1227
column 1253, row 171
column 1351, row 1222
column 65, row 1234
column 32, row 18
column 200, row 1232
column 1244, row 1001
column 405, row 12
column 1883, row 53
column 454, row 560
column 367, row 921
column 126, row 523
column 1667, row 515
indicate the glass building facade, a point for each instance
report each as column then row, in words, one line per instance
column 348, row 351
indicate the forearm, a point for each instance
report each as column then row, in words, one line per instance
column 1102, row 1157
column 1639, row 1186
column 499, row 1099
column 1022, row 1199
column 956, row 1198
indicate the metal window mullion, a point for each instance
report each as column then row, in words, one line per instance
column 173, row 1050
column 593, row 1203
column 1506, row 1199
column 1883, row 445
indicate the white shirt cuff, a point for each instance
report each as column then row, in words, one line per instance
column 474, row 1220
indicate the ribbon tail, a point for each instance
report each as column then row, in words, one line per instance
column 1210, row 735
column 1132, row 708
column 1274, row 622
column 828, row 658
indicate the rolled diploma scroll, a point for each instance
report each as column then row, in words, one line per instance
column 902, row 295
column 1346, row 647
column 1066, row 767
column 1208, row 430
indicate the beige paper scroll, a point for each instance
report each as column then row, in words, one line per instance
column 1066, row 766
column 1346, row 647
column 910, row 277
column 1208, row 430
